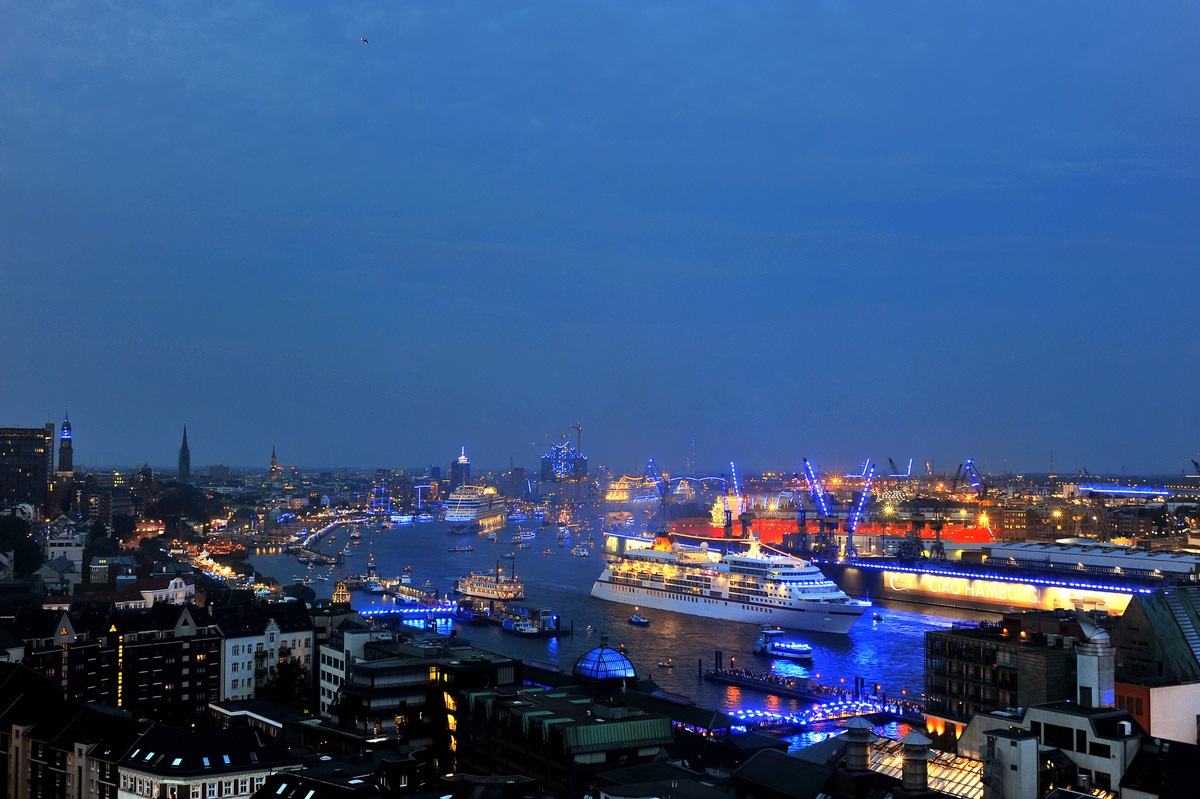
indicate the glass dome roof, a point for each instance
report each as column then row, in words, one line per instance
column 603, row 663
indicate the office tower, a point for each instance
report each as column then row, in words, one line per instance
column 27, row 467
column 460, row 470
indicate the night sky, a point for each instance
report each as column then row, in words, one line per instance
column 784, row 229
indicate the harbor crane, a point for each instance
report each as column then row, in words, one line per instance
column 977, row 482
column 663, row 487
column 825, row 547
column 896, row 474
column 745, row 517
column 856, row 514
column 801, row 519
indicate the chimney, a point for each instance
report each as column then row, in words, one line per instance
column 914, row 777
column 858, row 744
column 1096, row 668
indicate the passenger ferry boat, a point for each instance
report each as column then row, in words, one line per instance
column 771, row 643
column 491, row 585
column 753, row 586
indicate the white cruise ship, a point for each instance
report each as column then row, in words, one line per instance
column 755, row 586
column 471, row 508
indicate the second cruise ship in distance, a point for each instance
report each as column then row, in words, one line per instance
column 755, row 586
column 473, row 508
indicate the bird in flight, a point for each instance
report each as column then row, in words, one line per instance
column 361, row 39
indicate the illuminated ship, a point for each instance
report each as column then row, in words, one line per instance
column 627, row 492
column 753, row 586
column 472, row 508
column 1024, row 576
column 770, row 642
column 490, row 585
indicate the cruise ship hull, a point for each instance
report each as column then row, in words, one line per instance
column 826, row 617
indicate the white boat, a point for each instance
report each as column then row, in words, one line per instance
column 755, row 586
column 490, row 585
column 771, row 643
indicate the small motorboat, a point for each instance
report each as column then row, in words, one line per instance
column 639, row 620
column 669, row 663
column 877, row 617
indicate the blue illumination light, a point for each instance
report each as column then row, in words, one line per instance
column 869, row 472
column 1124, row 491
column 1004, row 578
column 818, row 490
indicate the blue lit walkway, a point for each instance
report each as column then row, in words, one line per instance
column 829, row 711
column 442, row 610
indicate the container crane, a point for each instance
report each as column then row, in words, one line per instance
column 825, row 547
column 896, row 474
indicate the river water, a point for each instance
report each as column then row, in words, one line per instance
column 889, row 652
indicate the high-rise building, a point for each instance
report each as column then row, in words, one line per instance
column 66, row 457
column 185, row 459
column 27, row 467
column 460, row 470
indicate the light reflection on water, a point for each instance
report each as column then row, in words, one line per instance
column 889, row 652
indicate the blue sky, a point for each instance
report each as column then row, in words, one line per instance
column 786, row 229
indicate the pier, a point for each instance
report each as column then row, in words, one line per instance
column 514, row 618
column 825, row 699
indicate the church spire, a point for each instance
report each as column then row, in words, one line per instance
column 185, row 459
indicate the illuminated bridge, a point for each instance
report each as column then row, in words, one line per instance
column 442, row 610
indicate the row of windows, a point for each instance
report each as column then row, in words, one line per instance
column 143, row 786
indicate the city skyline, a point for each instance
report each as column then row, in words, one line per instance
column 785, row 231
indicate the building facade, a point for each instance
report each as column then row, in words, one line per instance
column 988, row 666
column 162, row 660
column 27, row 467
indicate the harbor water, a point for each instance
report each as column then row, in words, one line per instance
column 888, row 650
